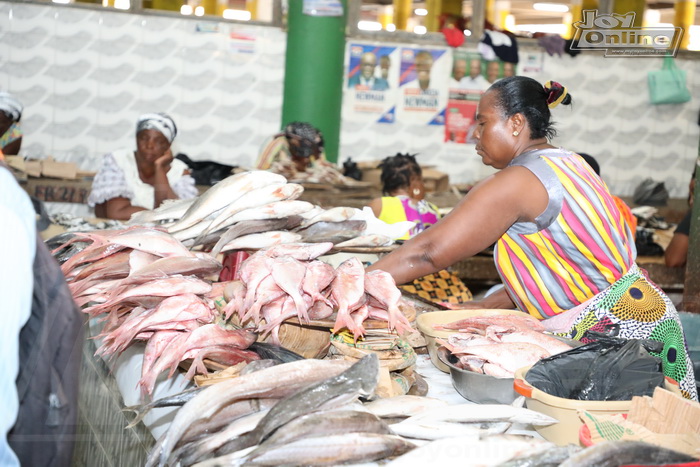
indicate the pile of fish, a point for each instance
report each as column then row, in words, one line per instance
column 146, row 286
column 309, row 413
column 498, row 345
column 253, row 210
column 287, row 281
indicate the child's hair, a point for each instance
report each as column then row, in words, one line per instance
column 397, row 171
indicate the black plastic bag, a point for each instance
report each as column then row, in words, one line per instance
column 650, row 193
column 206, row 173
column 607, row 369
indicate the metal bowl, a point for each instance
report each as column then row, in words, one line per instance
column 477, row 387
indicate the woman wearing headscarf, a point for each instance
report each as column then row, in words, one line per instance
column 136, row 180
column 563, row 249
column 10, row 131
column 299, row 146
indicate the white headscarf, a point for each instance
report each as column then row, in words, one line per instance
column 160, row 122
column 11, row 106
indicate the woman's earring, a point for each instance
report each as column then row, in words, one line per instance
column 416, row 191
column 516, row 133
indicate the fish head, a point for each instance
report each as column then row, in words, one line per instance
column 366, row 373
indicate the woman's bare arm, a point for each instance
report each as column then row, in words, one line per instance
column 117, row 208
column 478, row 220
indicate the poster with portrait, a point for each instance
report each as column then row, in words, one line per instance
column 372, row 80
column 422, row 86
column 467, row 84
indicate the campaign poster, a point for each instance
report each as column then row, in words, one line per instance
column 422, row 86
column 468, row 82
column 372, row 81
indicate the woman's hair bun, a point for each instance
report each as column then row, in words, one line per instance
column 556, row 94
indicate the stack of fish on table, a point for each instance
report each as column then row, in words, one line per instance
column 144, row 285
column 322, row 412
column 498, row 345
column 287, row 281
column 253, row 210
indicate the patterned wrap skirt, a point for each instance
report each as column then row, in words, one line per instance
column 640, row 310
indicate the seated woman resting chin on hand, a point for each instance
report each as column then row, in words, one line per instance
column 130, row 181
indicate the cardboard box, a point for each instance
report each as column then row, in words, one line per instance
column 435, row 181
column 53, row 169
column 63, row 191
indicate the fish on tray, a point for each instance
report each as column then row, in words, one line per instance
column 519, row 321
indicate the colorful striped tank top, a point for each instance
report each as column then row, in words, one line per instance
column 402, row 208
column 576, row 248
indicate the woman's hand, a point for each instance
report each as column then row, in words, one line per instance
column 164, row 161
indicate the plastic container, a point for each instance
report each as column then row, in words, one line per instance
column 477, row 387
column 427, row 320
column 565, row 410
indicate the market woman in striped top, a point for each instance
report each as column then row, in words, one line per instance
column 563, row 250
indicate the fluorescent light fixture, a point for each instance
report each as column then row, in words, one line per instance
column 548, row 28
column 369, row 26
column 510, row 23
column 240, row 15
column 420, row 12
column 420, row 29
column 122, row 4
column 467, row 32
column 555, row 7
column 64, row 1
column 186, row 10
column 199, row 11
column 391, row 27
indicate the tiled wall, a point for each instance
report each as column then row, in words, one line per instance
column 85, row 75
column 611, row 119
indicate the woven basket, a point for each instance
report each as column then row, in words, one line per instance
column 309, row 341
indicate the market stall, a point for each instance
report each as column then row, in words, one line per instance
column 299, row 336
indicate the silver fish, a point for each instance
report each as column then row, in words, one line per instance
column 337, row 214
column 616, row 453
column 429, row 429
column 255, row 198
column 270, row 382
column 224, row 193
column 333, row 450
column 250, row 227
column 367, row 241
column 459, row 451
column 193, row 452
column 170, row 209
column 326, row 423
column 358, row 380
column 335, row 232
column 474, row 413
column 403, row 406
column 261, row 240
column 175, row 400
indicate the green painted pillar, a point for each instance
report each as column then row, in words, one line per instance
column 313, row 75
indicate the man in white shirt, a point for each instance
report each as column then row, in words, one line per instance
column 475, row 81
